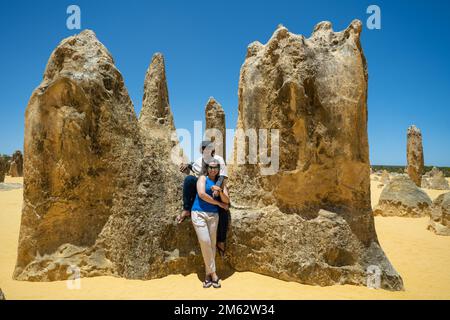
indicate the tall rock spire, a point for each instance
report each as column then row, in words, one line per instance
column 81, row 148
column 156, row 111
column 414, row 155
column 16, row 166
column 311, row 94
column 215, row 119
column 156, row 122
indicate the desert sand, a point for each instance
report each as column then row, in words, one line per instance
column 421, row 257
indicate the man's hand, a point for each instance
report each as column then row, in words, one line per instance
column 183, row 167
column 224, row 206
column 216, row 190
column 180, row 218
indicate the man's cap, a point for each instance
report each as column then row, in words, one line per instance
column 205, row 143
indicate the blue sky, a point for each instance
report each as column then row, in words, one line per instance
column 204, row 44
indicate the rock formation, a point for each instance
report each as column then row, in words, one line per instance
column 16, row 165
column 4, row 165
column 82, row 152
column 148, row 243
column 414, row 155
column 2, row 296
column 435, row 179
column 101, row 189
column 401, row 197
column 156, row 111
column 100, row 195
column 385, row 177
column 215, row 119
column 434, row 171
column 291, row 218
column 440, row 215
column 156, row 122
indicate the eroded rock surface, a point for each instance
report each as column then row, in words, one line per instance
column 102, row 188
column 440, row 215
column 82, row 151
column 414, row 155
column 215, row 119
column 314, row 92
column 401, row 197
column 321, row 251
column 147, row 243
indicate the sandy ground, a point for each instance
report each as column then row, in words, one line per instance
column 421, row 257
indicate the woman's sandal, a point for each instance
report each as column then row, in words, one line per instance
column 207, row 283
column 216, row 284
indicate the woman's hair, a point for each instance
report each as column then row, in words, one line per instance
column 205, row 167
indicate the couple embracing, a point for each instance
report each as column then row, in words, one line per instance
column 206, row 200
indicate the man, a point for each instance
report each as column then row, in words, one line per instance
column 190, row 188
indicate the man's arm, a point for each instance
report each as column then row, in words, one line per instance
column 186, row 167
column 223, row 172
column 220, row 181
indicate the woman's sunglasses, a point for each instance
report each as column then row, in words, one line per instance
column 213, row 168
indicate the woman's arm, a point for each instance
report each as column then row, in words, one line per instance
column 201, row 191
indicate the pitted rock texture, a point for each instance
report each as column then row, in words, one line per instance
column 155, row 107
column 82, row 151
column 101, row 195
column 314, row 91
column 147, row 243
column 156, row 123
column 101, row 190
column 321, row 251
column 440, row 215
column 414, row 154
column 215, row 119
column 401, row 197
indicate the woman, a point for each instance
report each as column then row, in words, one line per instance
column 205, row 219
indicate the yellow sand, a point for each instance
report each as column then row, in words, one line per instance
column 421, row 257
